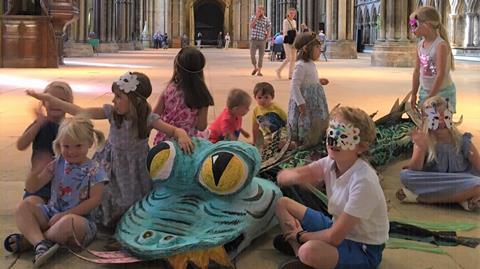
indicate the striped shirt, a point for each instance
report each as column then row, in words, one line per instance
column 261, row 28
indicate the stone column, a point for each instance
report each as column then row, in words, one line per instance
column 394, row 49
column 391, row 20
column 404, row 20
column 382, row 20
column 340, row 44
column 469, row 29
column 329, row 21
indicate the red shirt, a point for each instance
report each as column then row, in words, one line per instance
column 224, row 124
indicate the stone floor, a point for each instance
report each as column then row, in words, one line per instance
column 352, row 82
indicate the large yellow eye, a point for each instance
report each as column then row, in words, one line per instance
column 160, row 160
column 223, row 173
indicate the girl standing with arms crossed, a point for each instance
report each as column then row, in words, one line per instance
column 125, row 153
column 434, row 59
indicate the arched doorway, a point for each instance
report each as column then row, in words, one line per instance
column 209, row 20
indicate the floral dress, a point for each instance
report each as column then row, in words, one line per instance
column 177, row 113
column 125, row 160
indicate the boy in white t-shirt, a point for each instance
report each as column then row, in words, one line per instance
column 356, row 236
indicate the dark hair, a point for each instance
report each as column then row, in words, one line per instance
column 188, row 75
column 304, row 44
column 263, row 88
column 139, row 108
column 237, row 97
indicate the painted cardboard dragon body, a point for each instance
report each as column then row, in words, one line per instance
column 199, row 201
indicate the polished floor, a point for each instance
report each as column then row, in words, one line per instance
column 352, row 82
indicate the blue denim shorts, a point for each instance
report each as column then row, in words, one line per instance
column 43, row 192
column 351, row 254
column 90, row 230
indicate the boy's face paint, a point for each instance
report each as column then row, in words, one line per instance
column 342, row 135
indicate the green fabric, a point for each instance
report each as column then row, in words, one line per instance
column 318, row 193
column 440, row 226
column 395, row 243
column 94, row 42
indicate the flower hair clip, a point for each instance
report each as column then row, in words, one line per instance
column 128, row 82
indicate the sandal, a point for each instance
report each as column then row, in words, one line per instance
column 44, row 250
column 16, row 243
column 404, row 195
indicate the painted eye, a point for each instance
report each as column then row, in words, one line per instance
column 160, row 160
column 147, row 238
column 223, row 173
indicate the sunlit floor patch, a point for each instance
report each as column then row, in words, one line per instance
column 80, row 63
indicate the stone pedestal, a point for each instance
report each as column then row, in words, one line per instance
column 471, row 52
column 126, row 46
column 138, row 45
column 108, row 47
column 147, row 43
column 394, row 54
column 73, row 49
column 341, row 49
column 242, row 44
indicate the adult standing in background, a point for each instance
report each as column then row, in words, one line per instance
column 227, row 40
column 220, row 40
column 259, row 33
column 199, row 40
column 289, row 33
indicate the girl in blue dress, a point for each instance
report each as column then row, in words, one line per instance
column 445, row 164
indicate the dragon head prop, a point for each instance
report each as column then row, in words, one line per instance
column 204, row 200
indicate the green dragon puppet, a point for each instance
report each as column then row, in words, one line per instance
column 205, row 208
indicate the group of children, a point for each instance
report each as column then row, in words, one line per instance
column 67, row 195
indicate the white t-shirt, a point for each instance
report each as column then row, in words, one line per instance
column 358, row 193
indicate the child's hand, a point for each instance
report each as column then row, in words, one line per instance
column 292, row 230
column 302, row 109
column 39, row 96
column 286, row 177
column 184, row 140
column 324, row 81
column 413, row 100
column 40, row 114
column 420, row 139
column 56, row 218
column 245, row 133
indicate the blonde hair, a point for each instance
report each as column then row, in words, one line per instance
column 431, row 16
column 455, row 135
column 305, row 43
column 237, row 97
column 63, row 86
column 359, row 119
column 288, row 11
column 80, row 129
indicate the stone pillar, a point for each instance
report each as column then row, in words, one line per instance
column 340, row 44
column 452, row 27
column 77, row 45
column 382, row 21
column 469, row 29
column 329, row 20
column 391, row 20
column 394, row 49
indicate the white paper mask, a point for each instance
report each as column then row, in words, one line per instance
column 342, row 135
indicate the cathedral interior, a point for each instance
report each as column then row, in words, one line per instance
column 90, row 43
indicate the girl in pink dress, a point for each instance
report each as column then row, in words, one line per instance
column 185, row 101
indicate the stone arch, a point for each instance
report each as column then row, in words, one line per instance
column 189, row 13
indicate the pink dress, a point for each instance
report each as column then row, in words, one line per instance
column 177, row 113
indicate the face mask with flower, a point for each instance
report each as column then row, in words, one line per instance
column 342, row 135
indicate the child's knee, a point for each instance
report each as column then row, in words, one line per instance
column 306, row 252
column 282, row 204
column 24, row 206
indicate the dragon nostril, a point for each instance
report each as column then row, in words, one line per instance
column 147, row 234
column 168, row 237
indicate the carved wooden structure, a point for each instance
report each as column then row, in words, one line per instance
column 32, row 32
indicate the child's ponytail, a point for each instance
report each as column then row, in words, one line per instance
column 100, row 138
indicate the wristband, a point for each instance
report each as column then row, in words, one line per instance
column 298, row 236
